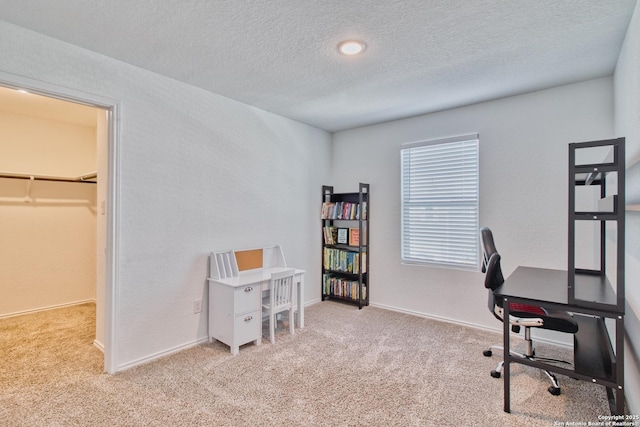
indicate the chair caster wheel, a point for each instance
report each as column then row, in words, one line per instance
column 487, row 353
column 496, row 374
column 554, row 390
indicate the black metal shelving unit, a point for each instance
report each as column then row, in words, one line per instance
column 596, row 272
column 602, row 185
column 350, row 280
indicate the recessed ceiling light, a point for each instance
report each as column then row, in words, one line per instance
column 351, row 47
column 22, row 91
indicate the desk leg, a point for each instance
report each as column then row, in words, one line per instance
column 301, row 302
column 620, row 365
column 506, row 371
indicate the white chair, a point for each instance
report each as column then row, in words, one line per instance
column 280, row 299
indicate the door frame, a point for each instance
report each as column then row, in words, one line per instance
column 112, row 107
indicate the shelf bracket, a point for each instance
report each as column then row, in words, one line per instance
column 27, row 196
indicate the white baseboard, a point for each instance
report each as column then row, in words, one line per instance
column 497, row 329
column 51, row 307
column 161, row 354
column 179, row 348
column 97, row 344
column 312, row 302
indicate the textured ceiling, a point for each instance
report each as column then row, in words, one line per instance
column 280, row 55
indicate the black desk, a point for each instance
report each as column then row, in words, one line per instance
column 594, row 358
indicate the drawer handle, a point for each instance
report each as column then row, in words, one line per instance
column 248, row 289
column 248, row 318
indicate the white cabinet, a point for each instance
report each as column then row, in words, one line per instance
column 235, row 314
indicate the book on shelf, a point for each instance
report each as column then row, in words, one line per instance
column 354, row 236
column 330, row 235
column 344, row 261
column 341, row 210
column 364, row 262
column 332, row 285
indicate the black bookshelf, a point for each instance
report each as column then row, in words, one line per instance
column 345, row 245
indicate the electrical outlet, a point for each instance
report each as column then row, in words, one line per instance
column 197, row 306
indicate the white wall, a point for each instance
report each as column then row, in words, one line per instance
column 627, row 124
column 32, row 144
column 197, row 172
column 47, row 255
column 523, row 190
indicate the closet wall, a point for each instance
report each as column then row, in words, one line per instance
column 47, row 229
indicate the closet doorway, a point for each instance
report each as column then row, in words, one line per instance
column 54, row 199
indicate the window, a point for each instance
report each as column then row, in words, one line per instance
column 440, row 202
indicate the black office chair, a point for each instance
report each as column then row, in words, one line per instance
column 520, row 315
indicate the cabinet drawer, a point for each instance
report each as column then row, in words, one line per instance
column 246, row 298
column 248, row 327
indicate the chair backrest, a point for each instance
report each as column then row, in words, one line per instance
column 490, row 260
column 281, row 289
column 493, row 276
column 491, row 269
column 488, row 246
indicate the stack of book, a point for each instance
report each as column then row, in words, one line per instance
column 341, row 287
column 344, row 261
column 343, row 210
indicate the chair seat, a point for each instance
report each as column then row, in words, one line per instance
column 561, row 321
column 554, row 320
column 526, row 310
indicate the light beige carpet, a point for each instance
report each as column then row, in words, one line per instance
column 348, row 367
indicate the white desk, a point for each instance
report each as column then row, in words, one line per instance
column 235, row 306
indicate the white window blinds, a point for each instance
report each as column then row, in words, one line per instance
column 440, row 202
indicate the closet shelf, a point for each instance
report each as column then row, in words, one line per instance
column 89, row 178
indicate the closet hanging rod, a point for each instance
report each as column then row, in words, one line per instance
column 89, row 178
